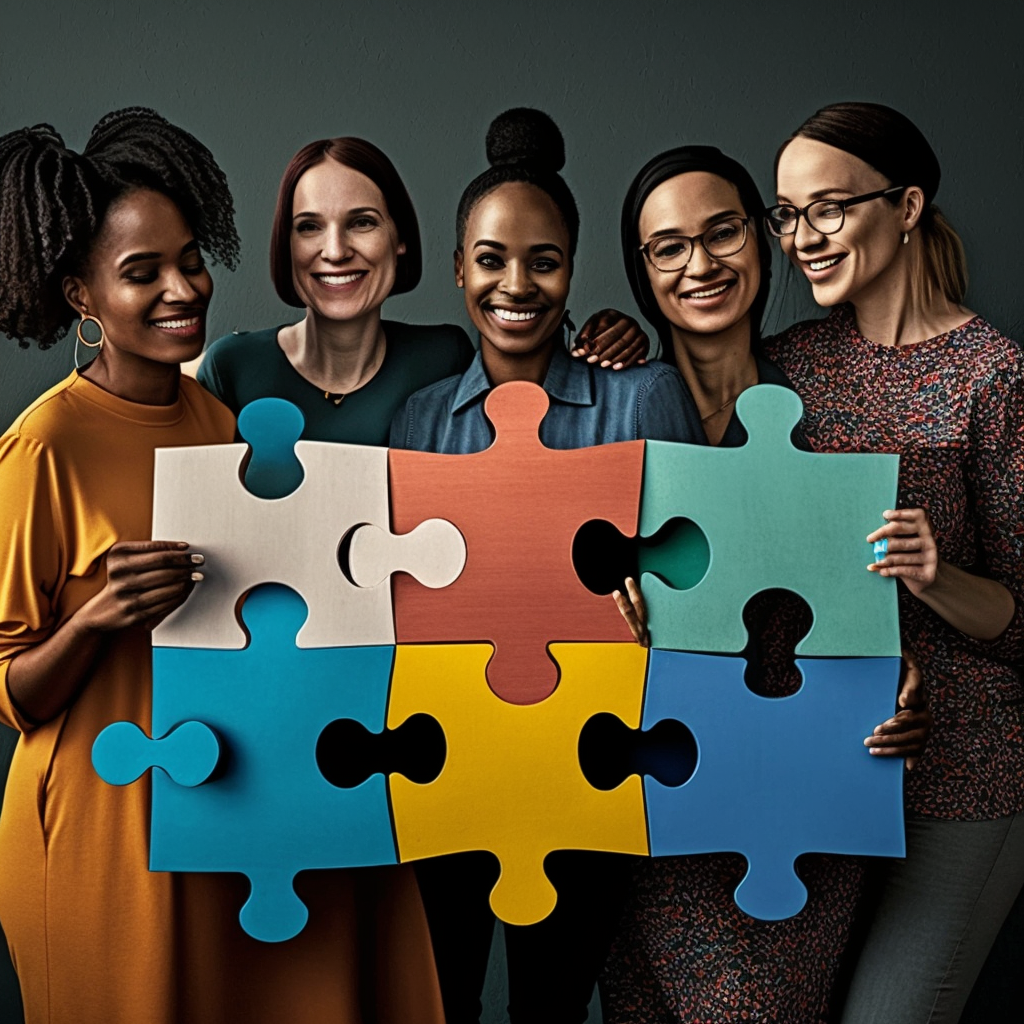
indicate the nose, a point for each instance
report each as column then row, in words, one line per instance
column 335, row 247
column 517, row 282
column 700, row 263
column 806, row 236
column 180, row 288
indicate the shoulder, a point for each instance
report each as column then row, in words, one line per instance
column 803, row 334
column 981, row 346
column 422, row 411
column 665, row 410
column 240, row 344
column 48, row 417
column 208, row 408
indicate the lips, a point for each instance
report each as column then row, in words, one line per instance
column 821, row 268
column 515, row 318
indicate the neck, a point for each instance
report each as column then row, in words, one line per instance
column 335, row 355
column 501, row 367
column 135, row 379
column 895, row 309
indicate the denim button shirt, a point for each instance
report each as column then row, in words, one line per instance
column 588, row 406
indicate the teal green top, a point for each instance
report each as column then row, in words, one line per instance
column 239, row 368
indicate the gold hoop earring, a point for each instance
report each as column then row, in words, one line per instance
column 84, row 341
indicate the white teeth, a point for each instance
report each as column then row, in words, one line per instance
column 509, row 314
column 191, row 322
column 338, row 278
column 822, row 264
column 708, row 293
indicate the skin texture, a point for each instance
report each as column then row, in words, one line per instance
column 134, row 299
column 515, row 262
column 882, row 278
column 712, row 343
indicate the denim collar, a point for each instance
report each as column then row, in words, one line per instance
column 567, row 380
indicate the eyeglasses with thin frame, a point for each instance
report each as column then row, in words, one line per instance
column 672, row 252
column 826, row 216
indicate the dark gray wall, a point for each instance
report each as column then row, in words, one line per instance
column 257, row 80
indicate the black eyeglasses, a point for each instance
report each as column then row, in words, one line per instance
column 673, row 252
column 826, row 216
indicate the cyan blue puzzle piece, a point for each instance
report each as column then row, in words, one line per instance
column 270, row 813
column 271, row 426
column 776, row 777
column 774, row 517
column 188, row 754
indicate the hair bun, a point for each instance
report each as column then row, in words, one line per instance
column 525, row 136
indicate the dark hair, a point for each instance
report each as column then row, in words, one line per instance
column 894, row 146
column 366, row 158
column 525, row 145
column 659, row 169
column 53, row 202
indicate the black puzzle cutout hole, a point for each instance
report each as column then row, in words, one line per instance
column 347, row 753
column 610, row 751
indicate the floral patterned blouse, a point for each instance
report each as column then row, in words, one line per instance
column 952, row 407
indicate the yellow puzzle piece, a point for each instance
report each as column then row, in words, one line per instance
column 512, row 782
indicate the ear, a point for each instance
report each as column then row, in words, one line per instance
column 460, row 280
column 913, row 205
column 76, row 293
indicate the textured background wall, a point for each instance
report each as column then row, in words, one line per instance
column 623, row 80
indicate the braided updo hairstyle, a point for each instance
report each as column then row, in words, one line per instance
column 522, row 144
column 53, row 202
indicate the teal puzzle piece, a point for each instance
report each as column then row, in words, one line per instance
column 268, row 812
column 773, row 517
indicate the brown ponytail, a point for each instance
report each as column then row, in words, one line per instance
column 945, row 260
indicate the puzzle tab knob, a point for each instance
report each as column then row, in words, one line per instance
column 188, row 753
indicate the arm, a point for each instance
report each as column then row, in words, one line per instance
column 906, row 733
column 613, row 340
column 146, row 581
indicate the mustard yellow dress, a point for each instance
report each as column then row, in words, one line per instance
column 96, row 938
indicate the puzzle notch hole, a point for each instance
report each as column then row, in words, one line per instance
column 679, row 554
column 347, row 753
column 610, row 751
column 776, row 620
column 602, row 557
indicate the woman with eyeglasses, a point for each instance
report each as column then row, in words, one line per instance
column 901, row 365
column 699, row 265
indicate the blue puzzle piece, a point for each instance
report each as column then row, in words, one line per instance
column 776, row 777
column 270, row 813
column 773, row 516
column 188, row 754
column 272, row 426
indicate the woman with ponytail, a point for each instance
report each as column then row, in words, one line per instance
column 115, row 236
column 901, row 365
column 516, row 234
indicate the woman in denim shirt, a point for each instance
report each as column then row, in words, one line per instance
column 516, row 238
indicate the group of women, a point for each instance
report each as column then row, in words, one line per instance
column 115, row 237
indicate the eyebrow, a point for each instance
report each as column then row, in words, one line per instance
column 821, row 193
column 138, row 257
column 352, row 212
column 540, row 247
column 708, row 221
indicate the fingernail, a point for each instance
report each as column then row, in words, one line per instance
column 196, row 577
column 617, row 366
column 181, row 544
column 605, row 363
column 591, row 359
column 198, row 559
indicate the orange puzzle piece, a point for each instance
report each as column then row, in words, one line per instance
column 518, row 504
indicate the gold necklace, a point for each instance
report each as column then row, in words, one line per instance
column 721, row 408
column 337, row 397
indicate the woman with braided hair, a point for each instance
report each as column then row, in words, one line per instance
column 116, row 236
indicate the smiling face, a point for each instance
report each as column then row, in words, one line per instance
column 865, row 254
column 344, row 244
column 515, row 269
column 146, row 281
column 708, row 295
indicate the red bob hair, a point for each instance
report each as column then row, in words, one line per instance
column 366, row 158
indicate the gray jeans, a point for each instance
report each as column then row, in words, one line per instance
column 939, row 913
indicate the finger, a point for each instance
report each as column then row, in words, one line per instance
column 628, row 612
column 911, row 693
column 129, row 563
column 157, row 579
column 637, row 597
column 633, row 355
column 132, row 546
column 905, row 515
column 892, row 530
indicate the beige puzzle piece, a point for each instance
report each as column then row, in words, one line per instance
column 199, row 497
column 434, row 553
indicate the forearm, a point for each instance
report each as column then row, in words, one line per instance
column 980, row 607
column 44, row 679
